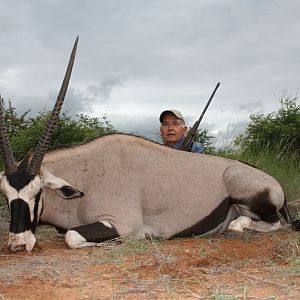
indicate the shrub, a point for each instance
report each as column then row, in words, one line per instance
column 25, row 132
column 277, row 129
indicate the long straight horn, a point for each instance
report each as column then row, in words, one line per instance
column 10, row 165
column 35, row 164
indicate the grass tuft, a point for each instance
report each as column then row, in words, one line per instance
column 283, row 166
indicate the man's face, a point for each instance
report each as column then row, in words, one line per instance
column 172, row 129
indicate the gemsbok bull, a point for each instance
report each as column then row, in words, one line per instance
column 125, row 186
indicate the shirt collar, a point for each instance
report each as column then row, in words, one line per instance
column 179, row 143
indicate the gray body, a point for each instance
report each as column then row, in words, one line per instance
column 141, row 187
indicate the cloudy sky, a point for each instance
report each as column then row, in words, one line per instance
column 137, row 58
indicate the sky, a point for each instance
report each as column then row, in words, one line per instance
column 136, row 58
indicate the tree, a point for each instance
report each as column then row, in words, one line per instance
column 14, row 122
column 25, row 132
column 202, row 137
column 277, row 129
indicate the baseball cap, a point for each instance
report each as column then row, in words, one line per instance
column 175, row 112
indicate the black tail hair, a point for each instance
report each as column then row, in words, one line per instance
column 284, row 211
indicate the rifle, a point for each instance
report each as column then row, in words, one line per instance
column 187, row 144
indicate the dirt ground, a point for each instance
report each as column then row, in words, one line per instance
column 229, row 266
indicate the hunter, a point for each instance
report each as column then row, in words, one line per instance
column 173, row 130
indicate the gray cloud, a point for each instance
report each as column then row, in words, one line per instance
column 104, row 88
column 137, row 58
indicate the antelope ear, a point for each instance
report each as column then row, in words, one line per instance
column 60, row 186
column 1, row 175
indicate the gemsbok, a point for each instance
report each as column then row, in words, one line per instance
column 125, row 186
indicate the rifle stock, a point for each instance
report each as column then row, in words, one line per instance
column 187, row 144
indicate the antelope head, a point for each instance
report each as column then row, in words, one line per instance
column 22, row 183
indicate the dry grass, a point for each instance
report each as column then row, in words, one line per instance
column 230, row 266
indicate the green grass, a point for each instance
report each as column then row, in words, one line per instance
column 115, row 252
column 283, row 166
column 4, row 213
column 219, row 295
column 289, row 251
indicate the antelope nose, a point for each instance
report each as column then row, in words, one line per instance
column 16, row 248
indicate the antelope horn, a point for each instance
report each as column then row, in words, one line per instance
column 40, row 151
column 10, row 165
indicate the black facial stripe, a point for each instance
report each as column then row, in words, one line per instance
column 20, row 216
column 35, row 212
column 20, row 179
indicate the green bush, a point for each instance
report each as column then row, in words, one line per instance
column 272, row 143
column 25, row 132
column 284, row 166
column 202, row 137
column 277, row 129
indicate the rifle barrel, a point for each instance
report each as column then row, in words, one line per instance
column 189, row 138
column 207, row 104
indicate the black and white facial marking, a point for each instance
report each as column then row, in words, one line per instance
column 23, row 193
